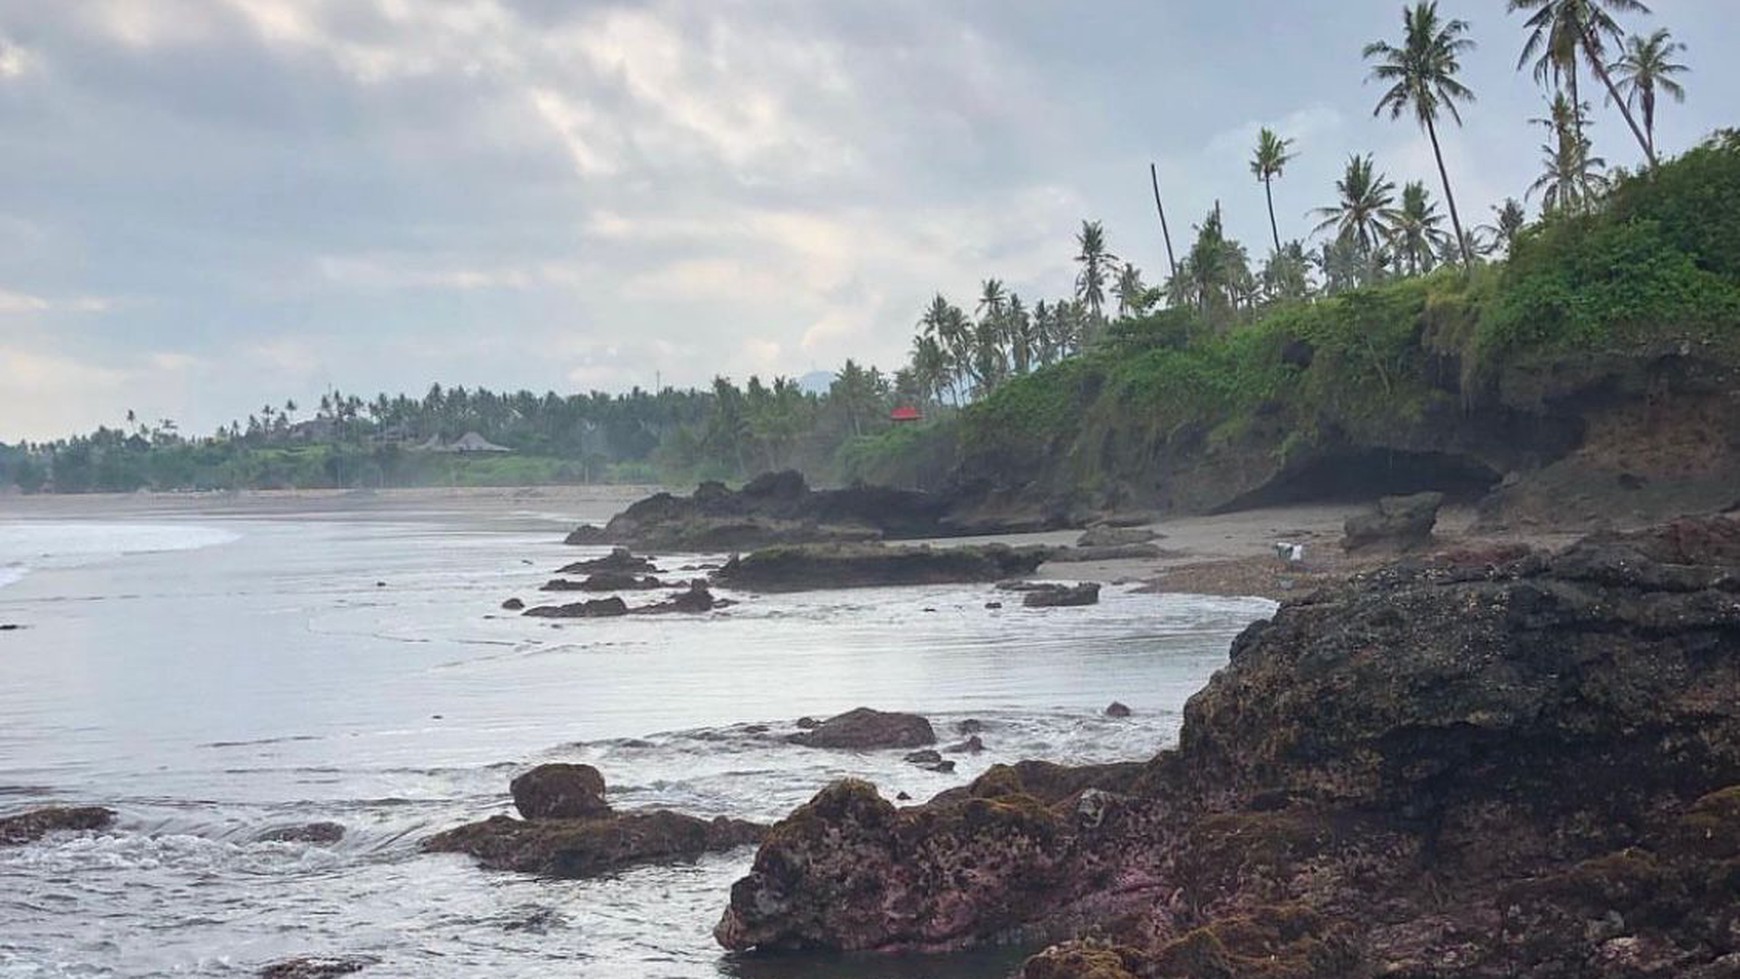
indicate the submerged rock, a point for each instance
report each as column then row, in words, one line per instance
column 597, row 608
column 513, row 605
column 808, row 567
column 34, row 824
column 318, row 967
column 1117, row 709
column 620, row 560
column 605, row 581
column 864, row 729
column 1526, row 769
column 319, row 834
column 1086, row 593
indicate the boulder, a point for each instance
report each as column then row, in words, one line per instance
column 606, row 581
column 926, row 756
column 1106, row 535
column 817, row 566
column 318, row 834
column 1522, row 769
column 865, row 729
column 695, row 600
column 1116, row 709
column 34, row 824
column 971, row 746
column 513, row 605
column 559, row 791
column 1086, row 593
column 1401, row 523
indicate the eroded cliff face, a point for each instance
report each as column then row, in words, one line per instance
column 1572, row 441
column 1448, row 768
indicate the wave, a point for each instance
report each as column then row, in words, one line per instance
column 28, row 545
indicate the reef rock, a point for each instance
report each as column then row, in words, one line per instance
column 34, row 824
column 620, row 561
column 569, row 830
column 318, row 967
column 318, row 834
column 865, row 729
column 1056, row 596
column 1527, row 769
column 815, row 566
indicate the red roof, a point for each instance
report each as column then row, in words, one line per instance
column 904, row 415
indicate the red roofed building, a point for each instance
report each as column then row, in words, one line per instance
column 905, row 414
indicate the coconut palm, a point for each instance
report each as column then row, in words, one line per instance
column 1645, row 66
column 1358, row 216
column 1422, row 76
column 1096, row 263
column 1416, row 229
column 1508, row 221
column 1571, row 178
column 1130, row 291
column 1285, row 273
column 1563, row 32
column 1271, row 158
column 1216, row 273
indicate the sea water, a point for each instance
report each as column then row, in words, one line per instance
column 214, row 677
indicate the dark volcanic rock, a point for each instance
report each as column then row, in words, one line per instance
column 808, row 567
column 559, row 791
column 1120, row 552
column 1117, row 709
column 1086, row 593
column 319, row 834
column 620, row 560
column 971, row 746
column 1403, row 523
column 513, row 605
column 606, row 581
column 597, row 845
column 695, row 600
column 318, row 967
column 34, row 824
column 1527, row 769
column 926, row 756
column 597, row 608
column 864, row 729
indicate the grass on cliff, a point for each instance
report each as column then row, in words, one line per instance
column 1657, row 266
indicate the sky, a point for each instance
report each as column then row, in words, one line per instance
column 207, row 206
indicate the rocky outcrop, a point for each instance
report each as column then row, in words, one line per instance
column 1113, row 552
column 780, row 508
column 34, row 824
column 606, row 581
column 1058, row 596
column 570, row 831
column 1398, row 523
column 816, row 566
column 620, row 561
column 864, row 729
column 1524, row 769
column 697, row 598
column 1106, row 535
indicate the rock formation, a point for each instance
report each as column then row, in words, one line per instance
column 570, row 831
column 34, row 824
column 813, row 566
column 1055, row 596
column 864, row 729
column 1520, row 769
column 1401, row 523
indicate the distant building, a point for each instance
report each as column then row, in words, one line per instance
column 905, row 414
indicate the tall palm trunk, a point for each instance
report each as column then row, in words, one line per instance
column 1613, row 90
column 1444, row 175
column 1269, row 192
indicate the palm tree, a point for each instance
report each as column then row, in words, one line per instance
column 1416, row 229
column 1422, row 73
column 1131, row 292
column 1508, row 221
column 1271, row 158
column 1646, row 66
column 1365, row 195
column 1571, row 178
column 1284, row 274
column 1562, row 31
column 1096, row 265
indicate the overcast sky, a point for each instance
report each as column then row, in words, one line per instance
column 206, row 205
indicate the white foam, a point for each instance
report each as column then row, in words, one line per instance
column 55, row 544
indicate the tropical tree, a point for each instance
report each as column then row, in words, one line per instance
column 1271, row 158
column 1571, row 177
column 1422, row 78
column 1416, row 229
column 1645, row 66
column 1365, row 195
column 1096, row 263
column 1132, row 294
column 1564, row 32
column 1215, row 275
column 1286, row 273
column 1508, row 220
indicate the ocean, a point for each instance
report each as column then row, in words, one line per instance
column 214, row 673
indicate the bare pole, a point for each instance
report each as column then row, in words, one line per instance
column 1154, row 176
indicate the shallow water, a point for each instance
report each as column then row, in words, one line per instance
column 213, row 678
